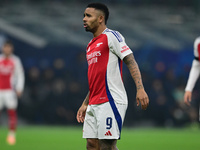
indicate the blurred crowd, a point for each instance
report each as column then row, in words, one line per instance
column 56, row 74
column 52, row 95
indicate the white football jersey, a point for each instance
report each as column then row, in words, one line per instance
column 104, row 55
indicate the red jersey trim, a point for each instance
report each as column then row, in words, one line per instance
column 198, row 47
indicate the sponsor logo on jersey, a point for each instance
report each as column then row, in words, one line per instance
column 108, row 133
column 6, row 69
column 124, row 48
column 93, row 57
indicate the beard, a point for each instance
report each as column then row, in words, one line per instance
column 92, row 30
column 87, row 29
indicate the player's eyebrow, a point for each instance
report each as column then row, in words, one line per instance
column 86, row 14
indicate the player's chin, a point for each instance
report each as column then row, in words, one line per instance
column 87, row 29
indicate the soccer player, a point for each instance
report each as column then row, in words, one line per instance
column 194, row 73
column 11, row 86
column 104, row 107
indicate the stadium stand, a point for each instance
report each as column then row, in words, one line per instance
column 50, row 39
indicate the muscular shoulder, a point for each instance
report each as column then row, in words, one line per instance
column 114, row 35
column 117, row 43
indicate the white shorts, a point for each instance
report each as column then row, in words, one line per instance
column 8, row 99
column 104, row 121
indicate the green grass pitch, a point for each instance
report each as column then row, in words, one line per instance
column 70, row 138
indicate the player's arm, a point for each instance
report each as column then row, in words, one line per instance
column 193, row 76
column 19, row 76
column 82, row 110
column 141, row 97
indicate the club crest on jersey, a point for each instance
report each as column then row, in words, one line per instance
column 98, row 44
column 88, row 49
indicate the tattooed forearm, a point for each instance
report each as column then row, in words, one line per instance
column 86, row 101
column 134, row 70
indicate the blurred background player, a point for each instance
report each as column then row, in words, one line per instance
column 194, row 73
column 11, row 86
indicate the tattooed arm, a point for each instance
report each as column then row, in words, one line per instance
column 82, row 110
column 141, row 96
column 134, row 70
column 86, row 100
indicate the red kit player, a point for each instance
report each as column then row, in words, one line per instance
column 11, row 86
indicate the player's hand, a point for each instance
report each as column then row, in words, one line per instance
column 188, row 97
column 19, row 94
column 81, row 113
column 142, row 98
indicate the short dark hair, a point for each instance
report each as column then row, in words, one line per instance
column 101, row 7
column 8, row 42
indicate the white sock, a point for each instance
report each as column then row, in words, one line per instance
column 11, row 133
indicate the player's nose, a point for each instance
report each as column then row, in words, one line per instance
column 84, row 19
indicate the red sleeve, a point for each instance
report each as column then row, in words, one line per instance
column 198, row 47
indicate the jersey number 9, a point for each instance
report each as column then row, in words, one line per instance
column 109, row 123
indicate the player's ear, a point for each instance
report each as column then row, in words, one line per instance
column 101, row 19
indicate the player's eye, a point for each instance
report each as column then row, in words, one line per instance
column 87, row 15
